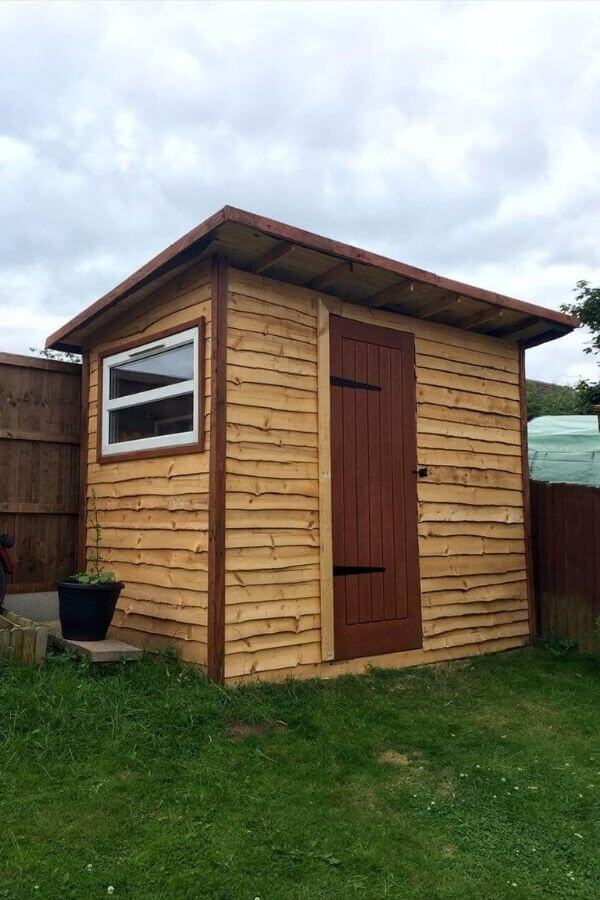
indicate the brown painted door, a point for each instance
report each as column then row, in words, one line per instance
column 377, row 604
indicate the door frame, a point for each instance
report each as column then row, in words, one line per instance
column 326, row 307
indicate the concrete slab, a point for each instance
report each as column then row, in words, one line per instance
column 106, row 651
column 41, row 606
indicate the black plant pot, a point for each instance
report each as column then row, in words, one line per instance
column 86, row 610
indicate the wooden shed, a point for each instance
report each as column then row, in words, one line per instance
column 308, row 458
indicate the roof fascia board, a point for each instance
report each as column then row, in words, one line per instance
column 190, row 242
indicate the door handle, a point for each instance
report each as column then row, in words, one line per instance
column 422, row 471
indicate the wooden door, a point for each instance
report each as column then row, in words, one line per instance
column 377, row 603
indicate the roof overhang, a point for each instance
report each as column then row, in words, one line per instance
column 263, row 246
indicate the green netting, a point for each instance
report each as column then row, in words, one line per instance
column 564, row 449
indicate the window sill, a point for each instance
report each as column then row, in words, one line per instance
column 150, row 452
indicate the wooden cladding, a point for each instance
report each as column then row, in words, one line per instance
column 526, row 488
column 566, row 551
column 154, row 509
column 375, row 552
column 39, row 465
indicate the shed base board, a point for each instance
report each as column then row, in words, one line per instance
column 403, row 660
column 188, row 653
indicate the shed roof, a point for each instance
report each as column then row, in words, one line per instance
column 261, row 245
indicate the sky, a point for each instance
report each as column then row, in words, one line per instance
column 460, row 138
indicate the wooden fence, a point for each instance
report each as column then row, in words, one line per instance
column 565, row 522
column 40, row 407
column 22, row 640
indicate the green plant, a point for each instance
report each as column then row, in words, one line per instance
column 588, row 396
column 559, row 646
column 552, row 400
column 97, row 574
column 587, row 308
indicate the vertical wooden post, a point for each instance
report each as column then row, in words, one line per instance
column 83, row 462
column 216, row 484
column 533, row 617
column 324, row 444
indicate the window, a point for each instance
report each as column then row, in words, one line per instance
column 151, row 395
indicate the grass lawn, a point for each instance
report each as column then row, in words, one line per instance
column 473, row 779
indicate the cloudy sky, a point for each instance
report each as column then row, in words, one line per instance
column 463, row 138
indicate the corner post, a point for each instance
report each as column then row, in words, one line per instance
column 531, row 599
column 83, row 463
column 217, row 471
column 324, row 449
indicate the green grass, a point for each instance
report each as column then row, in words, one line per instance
column 478, row 779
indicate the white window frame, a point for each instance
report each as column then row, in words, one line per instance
column 191, row 386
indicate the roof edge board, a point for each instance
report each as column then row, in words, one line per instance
column 355, row 254
column 192, row 243
column 550, row 334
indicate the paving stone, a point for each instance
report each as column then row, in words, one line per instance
column 105, row 651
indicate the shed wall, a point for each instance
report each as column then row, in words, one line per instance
column 154, row 511
column 272, row 501
column 471, row 518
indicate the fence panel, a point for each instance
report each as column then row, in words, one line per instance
column 40, row 404
column 565, row 521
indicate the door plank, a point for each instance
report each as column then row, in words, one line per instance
column 375, row 506
column 349, row 457
column 362, row 483
column 387, row 499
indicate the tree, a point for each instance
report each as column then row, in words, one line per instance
column 587, row 309
column 552, row 400
column 588, row 395
column 60, row 355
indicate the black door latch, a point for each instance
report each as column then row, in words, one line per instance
column 422, row 472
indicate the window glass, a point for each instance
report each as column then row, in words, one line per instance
column 150, row 372
column 172, row 415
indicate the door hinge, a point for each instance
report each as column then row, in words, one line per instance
column 357, row 570
column 337, row 381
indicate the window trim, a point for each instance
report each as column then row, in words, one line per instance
column 161, row 445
